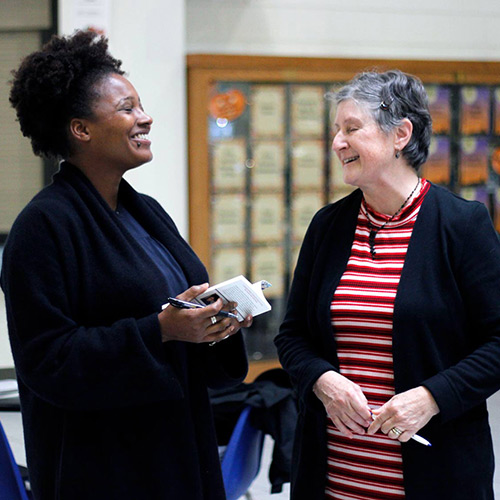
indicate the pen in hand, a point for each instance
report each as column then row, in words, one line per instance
column 182, row 304
column 415, row 437
column 421, row 440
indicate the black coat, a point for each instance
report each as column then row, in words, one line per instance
column 109, row 411
column 446, row 337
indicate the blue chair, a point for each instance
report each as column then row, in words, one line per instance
column 241, row 461
column 11, row 483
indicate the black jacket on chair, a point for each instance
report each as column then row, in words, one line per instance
column 446, row 337
column 109, row 411
column 274, row 411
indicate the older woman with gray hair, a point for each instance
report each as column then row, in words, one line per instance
column 392, row 330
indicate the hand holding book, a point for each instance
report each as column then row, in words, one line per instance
column 249, row 296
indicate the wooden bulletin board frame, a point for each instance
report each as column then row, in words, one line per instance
column 205, row 70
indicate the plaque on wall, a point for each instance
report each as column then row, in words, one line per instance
column 267, row 111
column 228, row 164
column 475, row 110
column 269, row 165
column 308, row 164
column 268, row 264
column 304, row 206
column 307, row 110
column 437, row 167
column 439, row 106
column 228, row 218
column 227, row 263
column 267, row 218
column 473, row 160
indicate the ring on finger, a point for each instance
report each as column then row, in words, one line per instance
column 396, row 431
column 213, row 319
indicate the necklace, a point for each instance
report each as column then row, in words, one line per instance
column 374, row 231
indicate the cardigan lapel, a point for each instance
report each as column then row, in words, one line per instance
column 159, row 225
column 411, row 275
column 148, row 213
column 332, row 256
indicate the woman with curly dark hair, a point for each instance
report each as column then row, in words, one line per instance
column 113, row 388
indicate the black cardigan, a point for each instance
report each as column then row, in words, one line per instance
column 109, row 411
column 446, row 337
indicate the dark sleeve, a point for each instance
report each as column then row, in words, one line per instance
column 476, row 377
column 225, row 364
column 62, row 360
column 297, row 347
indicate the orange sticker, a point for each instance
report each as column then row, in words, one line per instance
column 229, row 105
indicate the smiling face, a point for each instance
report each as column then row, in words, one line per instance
column 119, row 128
column 364, row 150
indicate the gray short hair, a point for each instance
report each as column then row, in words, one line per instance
column 390, row 97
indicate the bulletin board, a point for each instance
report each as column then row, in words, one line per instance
column 261, row 165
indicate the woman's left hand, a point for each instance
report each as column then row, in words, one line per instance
column 407, row 412
column 201, row 324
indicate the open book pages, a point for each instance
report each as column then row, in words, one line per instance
column 249, row 296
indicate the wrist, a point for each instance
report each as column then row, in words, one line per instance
column 165, row 337
column 322, row 381
column 431, row 402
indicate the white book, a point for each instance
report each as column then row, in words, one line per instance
column 249, row 296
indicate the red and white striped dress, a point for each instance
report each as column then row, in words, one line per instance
column 369, row 467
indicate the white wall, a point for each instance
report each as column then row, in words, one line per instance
column 406, row 29
column 149, row 37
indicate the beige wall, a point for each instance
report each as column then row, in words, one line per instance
column 427, row 29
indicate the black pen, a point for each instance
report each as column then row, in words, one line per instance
column 182, row 304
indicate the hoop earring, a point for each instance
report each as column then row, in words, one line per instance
column 398, row 153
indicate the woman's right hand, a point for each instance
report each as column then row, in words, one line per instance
column 344, row 402
column 196, row 325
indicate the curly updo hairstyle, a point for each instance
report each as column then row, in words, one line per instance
column 390, row 97
column 56, row 84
